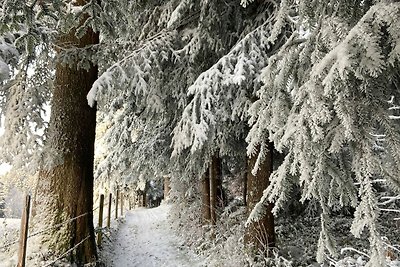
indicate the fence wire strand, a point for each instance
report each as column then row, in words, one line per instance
column 67, row 252
column 57, row 226
column 47, row 229
column 9, row 244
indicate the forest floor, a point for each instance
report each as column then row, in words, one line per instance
column 145, row 238
column 150, row 237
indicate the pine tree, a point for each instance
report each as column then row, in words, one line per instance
column 169, row 56
column 182, row 78
column 65, row 186
column 66, row 178
column 217, row 114
column 325, row 96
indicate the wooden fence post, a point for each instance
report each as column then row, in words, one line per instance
column 99, row 234
column 116, row 204
column 23, row 237
column 109, row 211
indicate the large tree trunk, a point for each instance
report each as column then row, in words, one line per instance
column 260, row 235
column 205, row 188
column 65, row 185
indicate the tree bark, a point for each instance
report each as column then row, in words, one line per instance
column 245, row 186
column 213, row 189
column 144, row 199
column 221, row 196
column 65, row 185
column 167, row 187
column 205, row 186
column 145, row 196
column 260, row 235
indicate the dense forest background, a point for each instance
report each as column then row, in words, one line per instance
column 274, row 123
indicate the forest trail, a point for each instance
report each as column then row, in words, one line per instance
column 146, row 239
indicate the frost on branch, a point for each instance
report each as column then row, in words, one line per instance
column 323, row 104
column 23, row 137
column 8, row 56
column 223, row 93
column 135, row 72
column 178, row 13
column 141, row 91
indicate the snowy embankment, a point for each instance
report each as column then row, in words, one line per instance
column 146, row 239
column 9, row 234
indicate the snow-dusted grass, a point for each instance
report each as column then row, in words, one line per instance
column 297, row 237
column 37, row 254
column 172, row 236
column 9, row 232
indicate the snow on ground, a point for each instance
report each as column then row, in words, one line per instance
column 146, row 239
column 9, row 232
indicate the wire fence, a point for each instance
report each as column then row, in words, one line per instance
column 8, row 245
column 98, row 230
column 62, row 256
column 45, row 230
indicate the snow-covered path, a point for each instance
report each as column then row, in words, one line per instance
column 146, row 239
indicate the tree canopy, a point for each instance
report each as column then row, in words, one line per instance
column 182, row 79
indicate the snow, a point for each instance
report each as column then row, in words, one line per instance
column 177, row 14
column 146, row 238
column 9, row 232
column 4, row 168
column 4, row 70
column 91, row 96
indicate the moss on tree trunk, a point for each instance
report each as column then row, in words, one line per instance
column 65, row 184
